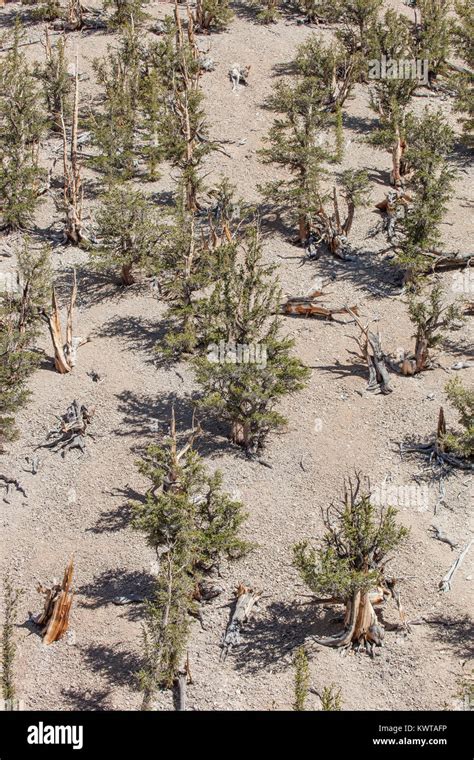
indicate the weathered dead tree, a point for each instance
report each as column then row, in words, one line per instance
column 436, row 450
column 239, row 74
column 73, row 191
column 247, row 598
column 440, row 262
column 371, row 352
column 65, row 352
column 327, row 228
column 308, row 306
column 54, row 619
column 72, row 430
column 393, row 209
column 74, row 15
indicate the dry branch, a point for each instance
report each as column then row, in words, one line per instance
column 247, row 598
column 308, row 306
column 57, row 605
column 371, row 352
column 72, row 430
column 445, row 583
column 8, row 483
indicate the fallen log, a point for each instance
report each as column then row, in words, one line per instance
column 71, row 431
column 57, row 606
column 445, row 583
column 247, row 598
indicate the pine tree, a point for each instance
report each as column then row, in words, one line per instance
column 390, row 97
column 128, row 232
column 187, row 265
column 184, row 129
column 430, row 141
column 21, row 128
column 358, row 18
column 269, row 11
column 20, row 318
column 301, row 679
column 350, row 564
column 57, row 86
column 248, row 367
column 126, row 12
column 461, row 443
column 295, row 137
column 11, row 599
column 463, row 36
column 331, row 699
column 433, row 35
column 212, row 15
column 431, row 317
column 192, row 525
column 115, row 125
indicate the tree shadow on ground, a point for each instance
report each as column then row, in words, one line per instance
column 457, row 633
column 85, row 700
column 148, row 417
column 267, row 641
column 119, row 582
column 119, row 667
column 138, row 333
column 118, row 518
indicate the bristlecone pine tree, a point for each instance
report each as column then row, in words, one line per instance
column 11, row 599
column 183, row 128
column 461, row 443
column 431, row 317
column 126, row 12
column 128, row 233
column 430, row 140
column 463, row 34
column 349, row 568
column 192, row 525
column 57, row 85
column 433, row 35
column 390, row 97
column 115, row 125
column 21, row 127
column 357, row 18
column 212, row 15
column 248, row 367
column 296, row 139
column 21, row 306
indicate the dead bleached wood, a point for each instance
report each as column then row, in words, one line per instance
column 371, row 352
column 308, row 306
column 7, row 483
column 440, row 262
column 440, row 535
column 65, row 351
column 54, row 619
column 247, row 598
column 446, row 581
column 435, row 449
column 393, row 208
column 462, row 365
column 73, row 190
column 72, row 430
